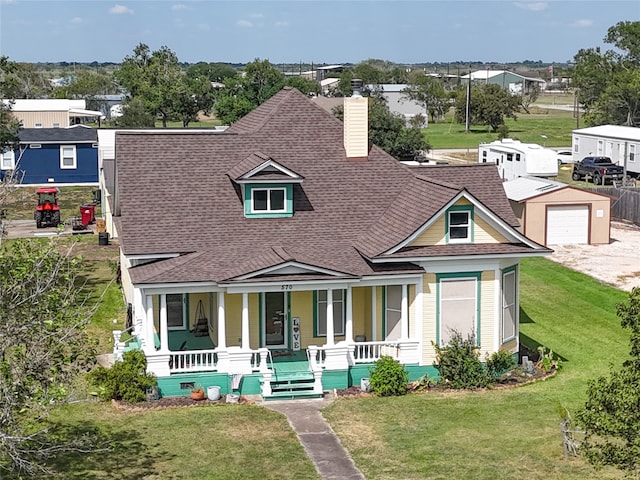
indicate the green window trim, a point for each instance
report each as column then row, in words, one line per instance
column 512, row 269
column 460, row 275
column 456, row 209
column 249, row 190
column 316, row 332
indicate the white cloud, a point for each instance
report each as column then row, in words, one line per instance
column 532, row 6
column 282, row 24
column 583, row 23
column 76, row 20
column 179, row 6
column 120, row 9
column 204, row 27
column 7, row 2
column 256, row 15
column 244, row 23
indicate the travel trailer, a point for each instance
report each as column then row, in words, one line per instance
column 621, row 144
column 516, row 159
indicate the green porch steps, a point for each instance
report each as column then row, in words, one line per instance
column 292, row 386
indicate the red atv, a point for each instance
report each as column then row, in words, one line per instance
column 47, row 212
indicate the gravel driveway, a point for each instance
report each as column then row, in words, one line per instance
column 617, row 263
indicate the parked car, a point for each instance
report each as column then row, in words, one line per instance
column 600, row 169
column 564, row 156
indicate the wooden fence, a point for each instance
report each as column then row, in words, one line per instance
column 625, row 202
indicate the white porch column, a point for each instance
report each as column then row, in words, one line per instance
column 330, row 330
column 374, row 314
column 222, row 322
column 246, row 344
column 348, row 328
column 149, row 328
column 164, row 329
column 404, row 313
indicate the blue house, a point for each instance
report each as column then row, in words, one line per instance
column 55, row 156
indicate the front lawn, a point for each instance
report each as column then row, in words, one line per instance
column 234, row 442
column 497, row 433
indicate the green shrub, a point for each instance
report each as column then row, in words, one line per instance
column 388, row 377
column 126, row 380
column 459, row 365
column 499, row 363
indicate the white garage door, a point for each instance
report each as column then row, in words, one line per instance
column 568, row 225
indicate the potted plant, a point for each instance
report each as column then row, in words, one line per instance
column 197, row 392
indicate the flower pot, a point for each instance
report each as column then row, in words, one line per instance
column 197, row 395
column 213, row 393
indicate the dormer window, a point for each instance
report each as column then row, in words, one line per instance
column 267, row 186
column 460, row 224
column 273, row 200
column 268, row 200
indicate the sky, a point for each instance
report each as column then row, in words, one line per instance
column 309, row 31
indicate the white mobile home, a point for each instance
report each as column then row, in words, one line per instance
column 620, row 144
column 516, row 159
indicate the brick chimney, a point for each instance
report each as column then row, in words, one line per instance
column 356, row 122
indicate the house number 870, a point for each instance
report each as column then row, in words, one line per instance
column 286, row 287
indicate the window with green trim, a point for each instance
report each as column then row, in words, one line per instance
column 458, row 306
column 508, row 304
column 459, row 224
column 268, row 200
column 338, row 312
column 272, row 200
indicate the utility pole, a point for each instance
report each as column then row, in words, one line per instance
column 468, row 107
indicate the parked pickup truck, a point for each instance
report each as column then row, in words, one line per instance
column 600, row 169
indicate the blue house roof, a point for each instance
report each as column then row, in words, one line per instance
column 58, row 135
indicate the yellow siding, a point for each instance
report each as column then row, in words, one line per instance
column 487, row 311
column 45, row 119
column 485, row 233
column 434, row 235
column 429, row 301
column 302, row 307
column 361, row 300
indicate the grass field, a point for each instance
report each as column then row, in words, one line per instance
column 23, row 200
column 556, row 125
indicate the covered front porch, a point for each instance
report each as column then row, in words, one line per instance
column 331, row 333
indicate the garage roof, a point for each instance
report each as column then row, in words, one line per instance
column 524, row 188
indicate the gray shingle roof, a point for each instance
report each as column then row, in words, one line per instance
column 176, row 196
column 58, row 135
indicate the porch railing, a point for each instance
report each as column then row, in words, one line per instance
column 370, row 352
column 193, row 361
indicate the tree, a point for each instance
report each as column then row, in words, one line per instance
column 135, row 115
column 157, row 80
column 214, row 72
column 611, row 415
column 43, row 346
column 22, row 80
column 9, row 125
column 489, row 105
column 87, row 84
column 608, row 84
column 243, row 93
column 428, row 91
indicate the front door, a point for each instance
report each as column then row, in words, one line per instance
column 275, row 321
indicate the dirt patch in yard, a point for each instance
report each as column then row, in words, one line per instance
column 616, row 263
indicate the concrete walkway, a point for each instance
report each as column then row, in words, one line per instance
column 318, row 439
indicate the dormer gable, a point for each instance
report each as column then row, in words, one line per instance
column 462, row 220
column 267, row 186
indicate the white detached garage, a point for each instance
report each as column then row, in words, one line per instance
column 553, row 213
